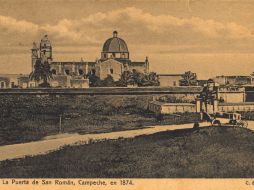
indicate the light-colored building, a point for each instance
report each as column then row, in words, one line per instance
column 79, row 83
column 233, row 80
column 170, row 108
column 72, row 68
column 162, row 108
column 4, row 82
column 110, row 67
column 231, row 94
column 23, row 82
column 12, row 80
column 62, row 81
column 170, row 79
column 226, row 98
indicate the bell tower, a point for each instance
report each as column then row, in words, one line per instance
column 45, row 49
column 34, row 55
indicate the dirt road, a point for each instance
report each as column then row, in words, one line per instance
column 51, row 144
column 54, row 143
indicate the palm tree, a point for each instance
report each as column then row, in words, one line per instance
column 41, row 72
column 108, row 81
column 151, row 79
column 94, row 80
column 137, row 78
column 189, row 79
column 126, row 78
column 140, row 79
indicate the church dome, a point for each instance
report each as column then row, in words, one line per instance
column 115, row 45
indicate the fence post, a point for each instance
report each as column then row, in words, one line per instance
column 60, row 123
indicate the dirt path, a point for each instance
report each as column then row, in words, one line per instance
column 48, row 145
column 56, row 142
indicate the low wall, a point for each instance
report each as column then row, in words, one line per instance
column 232, row 96
column 139, row 97
column 176, row 98
column 228, row 107
column 169, row 108
column 184, row 91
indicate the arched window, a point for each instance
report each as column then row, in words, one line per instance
column 93, row 71
column 81, row 72
column 2, row 84
column 53, row 71
column 12, row 84
column 67, row 72
column 111, row 71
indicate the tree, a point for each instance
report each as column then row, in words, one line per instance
column 126, row 79
column 189, row 79
column 150, row 79
column 41, row 72
column 209, row 93
column 108, row 81
column 137, row 78
column 140, row 79
column 94, row 80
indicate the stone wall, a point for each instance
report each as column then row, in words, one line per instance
column 170, row 108
column 170, row 80
column 227, row 107
column 109, row 67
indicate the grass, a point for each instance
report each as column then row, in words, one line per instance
column 248, row 115
column 213, row 152
column 26, row 118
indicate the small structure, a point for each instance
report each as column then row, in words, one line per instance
column 169, row 108
column 231, row 94
column 201, row 82
column 240, row 106
column 212, row 99
column 167, row 80
column 110, row 67
column 233, row 80
column 4, row 82
column 65, row 81
column 11, row 80
column 60, row 81
column 79, row 83
column 23, row 81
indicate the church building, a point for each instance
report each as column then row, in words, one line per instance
column 115, row 59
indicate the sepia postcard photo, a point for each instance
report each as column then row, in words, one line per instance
column 138, row 94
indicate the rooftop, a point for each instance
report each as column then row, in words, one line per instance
column 170, row 74
column 171, row 104
column 115, row 45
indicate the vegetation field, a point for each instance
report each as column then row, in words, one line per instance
column 26, row 118
column 212, row 152
column 248, row 115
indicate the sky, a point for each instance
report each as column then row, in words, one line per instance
column 209, row 37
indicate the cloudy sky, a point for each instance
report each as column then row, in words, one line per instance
column 209, row 37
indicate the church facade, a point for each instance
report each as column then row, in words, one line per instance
column 115, row 59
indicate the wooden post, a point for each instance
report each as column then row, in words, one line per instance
column 60, row 123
